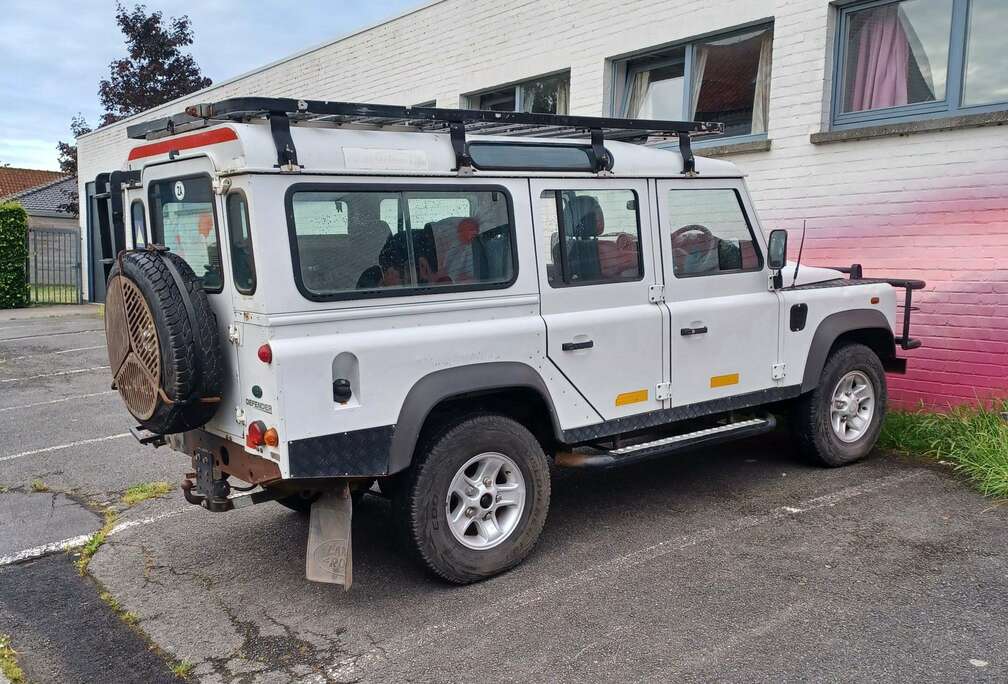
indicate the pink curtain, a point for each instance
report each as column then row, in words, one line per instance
column 882, row 60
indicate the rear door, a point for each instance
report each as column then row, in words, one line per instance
column 596, row 269
column 724, row 318
column 185, row 216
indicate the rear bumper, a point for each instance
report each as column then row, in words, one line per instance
column 230, row 458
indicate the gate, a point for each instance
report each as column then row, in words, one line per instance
column 54, row 266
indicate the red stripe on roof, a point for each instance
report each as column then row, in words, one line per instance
column 187, row 142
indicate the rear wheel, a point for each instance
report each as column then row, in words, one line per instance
column 840, row 421
column 475, row 502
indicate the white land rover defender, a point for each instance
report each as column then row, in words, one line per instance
column 311, row 297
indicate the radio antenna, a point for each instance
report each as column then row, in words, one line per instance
column 801, row 246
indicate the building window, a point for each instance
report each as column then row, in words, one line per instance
column 913, row 59
column 724, row 78
column 545, row 95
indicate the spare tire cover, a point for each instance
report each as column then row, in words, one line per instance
column 164, row 351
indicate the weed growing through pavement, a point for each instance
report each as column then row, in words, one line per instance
column 181, row 669
column 8, row 665
column 95, row 542
column 974, row 439
column 144, row 491
column 38, row 485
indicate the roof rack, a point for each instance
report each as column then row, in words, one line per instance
column 281, row 112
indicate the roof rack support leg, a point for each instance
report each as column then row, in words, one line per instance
column 688, row 162
column 463, row 162
column 601, row 158
column 286, row 152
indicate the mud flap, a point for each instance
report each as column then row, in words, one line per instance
column 329, row 558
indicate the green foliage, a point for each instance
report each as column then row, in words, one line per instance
column 144, row 491
column 974, row 439
column 8, row 663
column 13, row 256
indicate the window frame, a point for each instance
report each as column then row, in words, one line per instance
column 213, row 208
column 238, row 192
column 143, row 215
column 558, row 204
column 955, row 77
column 658, row 57
column 400, row 189
column 760, row 262
column 471, row 100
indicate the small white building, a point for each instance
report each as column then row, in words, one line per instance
column 876, row 122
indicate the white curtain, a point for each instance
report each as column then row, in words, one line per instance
column 562, row 97
column 696, row 74
column 638, row 91
column 761, row 98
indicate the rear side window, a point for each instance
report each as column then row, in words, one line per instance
column 182, row 219
column 139, row 224
column 362, row 242
column 240, row 237
column 590, row 236
column 710, row 233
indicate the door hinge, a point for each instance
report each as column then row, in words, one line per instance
column 663, row 391
column 221, row 185
column 656, row 293
column 239, row 416
column 234, row 334
column 778, row 371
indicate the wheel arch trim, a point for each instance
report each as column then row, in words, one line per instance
column 831, row 328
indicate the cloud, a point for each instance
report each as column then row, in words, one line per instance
column 54, row 54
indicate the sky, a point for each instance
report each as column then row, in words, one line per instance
column 53, row 54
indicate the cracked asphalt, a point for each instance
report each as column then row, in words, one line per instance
column 739, row 563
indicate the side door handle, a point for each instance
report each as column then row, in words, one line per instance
column 574, row 346
column 686, row 332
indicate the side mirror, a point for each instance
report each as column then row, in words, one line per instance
column 777, row 249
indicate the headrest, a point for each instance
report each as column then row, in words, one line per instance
column 587, row 219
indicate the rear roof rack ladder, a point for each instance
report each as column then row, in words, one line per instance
column 111, row 214
column 459, row 123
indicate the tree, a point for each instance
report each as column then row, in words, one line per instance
column 68, row 160
column 156, row 70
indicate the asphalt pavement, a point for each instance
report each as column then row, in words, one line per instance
column 739, row 563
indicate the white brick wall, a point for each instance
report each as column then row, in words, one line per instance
column 931, row 205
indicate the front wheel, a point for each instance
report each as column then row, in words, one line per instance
column 476, row 500
column 840, row 420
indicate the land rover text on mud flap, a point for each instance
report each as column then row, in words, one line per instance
column 317, row 299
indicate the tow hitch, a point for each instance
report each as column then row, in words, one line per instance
column 214, row 494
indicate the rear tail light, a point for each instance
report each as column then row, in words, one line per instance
column 271, row 437
column 265, row 354
column 256, row 436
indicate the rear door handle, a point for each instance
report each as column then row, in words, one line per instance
column 686, row 332
column 574, row 346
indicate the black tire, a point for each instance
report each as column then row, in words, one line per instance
column 419, row 505
column 813, row 430
column 191, row 361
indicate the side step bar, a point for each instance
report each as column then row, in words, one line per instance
column 666, row 445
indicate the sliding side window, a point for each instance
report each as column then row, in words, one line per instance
column 363, row 242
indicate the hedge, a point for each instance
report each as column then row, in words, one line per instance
column 13, row 256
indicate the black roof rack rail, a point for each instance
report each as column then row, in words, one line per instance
column 281, row 112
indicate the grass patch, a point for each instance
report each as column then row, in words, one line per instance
column 38, row 485
column 52, row 294
column 974, row 439
column 147, row 490
column 126, row 616
column 181, row 669
column 88, row 551
column 8, row 665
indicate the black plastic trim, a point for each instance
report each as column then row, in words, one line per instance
column 832, row 327
column 358, row 453
column 651, row 419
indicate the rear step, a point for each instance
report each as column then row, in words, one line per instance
column 666, row 445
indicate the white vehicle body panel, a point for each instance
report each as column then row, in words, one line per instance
column 385, row 346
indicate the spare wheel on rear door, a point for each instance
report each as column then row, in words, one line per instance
column 162, row 341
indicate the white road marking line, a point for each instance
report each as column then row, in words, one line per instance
column 52, row 375
column 62, row 351
column 615, row 567
column 81, row 540
column 56, row 401
column 45, row 549
column 69, row 332
column 58, row 447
